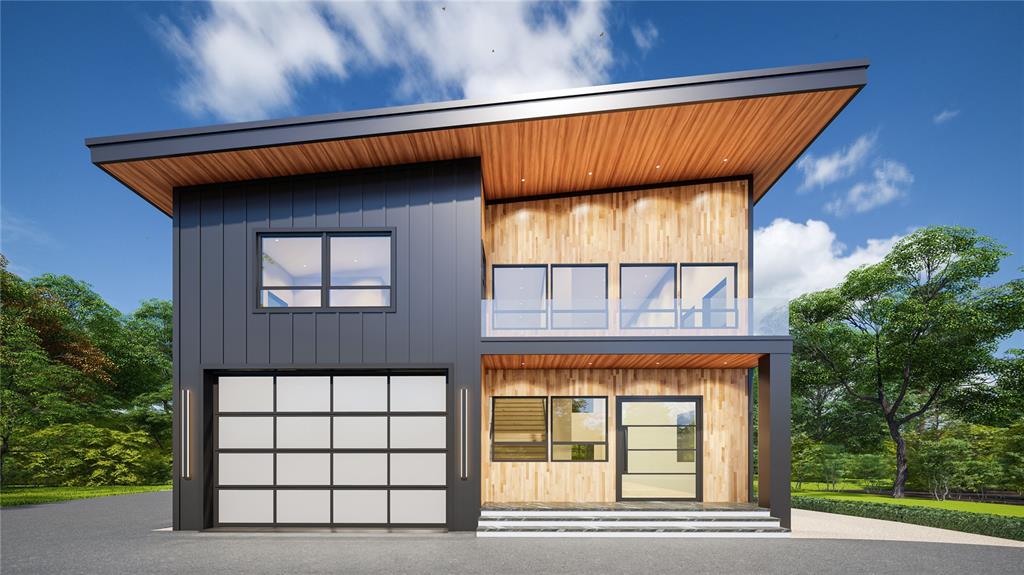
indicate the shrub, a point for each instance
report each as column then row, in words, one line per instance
column 82, row 454
column 968, row 522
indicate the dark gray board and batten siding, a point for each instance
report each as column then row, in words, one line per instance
column 435, row 212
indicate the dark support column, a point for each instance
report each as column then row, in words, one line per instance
column 774, row 435
column 764, row 432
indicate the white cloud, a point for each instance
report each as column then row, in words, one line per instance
column 890, row 179
column 945, row 116
column 791, row 259
column 644, row 35
column 247, row 60
column 825, row 170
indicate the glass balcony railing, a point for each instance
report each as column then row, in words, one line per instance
column 634, row 318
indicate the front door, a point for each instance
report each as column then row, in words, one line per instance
column 659, row 441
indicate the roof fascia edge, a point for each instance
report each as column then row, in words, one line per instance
column 457, row 117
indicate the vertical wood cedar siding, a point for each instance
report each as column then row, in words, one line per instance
column 435, row 211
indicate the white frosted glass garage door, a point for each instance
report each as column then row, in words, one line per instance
column 359, row 450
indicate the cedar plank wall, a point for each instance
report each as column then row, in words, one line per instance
column 682, row 224
column 677, row 224
column 725, row 431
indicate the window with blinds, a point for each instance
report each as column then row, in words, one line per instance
column 519, row 429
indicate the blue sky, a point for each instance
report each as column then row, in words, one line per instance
column 937, row 137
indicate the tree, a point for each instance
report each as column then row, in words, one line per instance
column 903, row 334
column 49, row 371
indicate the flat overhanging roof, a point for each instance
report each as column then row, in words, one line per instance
column 754, row 123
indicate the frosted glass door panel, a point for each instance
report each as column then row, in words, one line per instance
column 358, row 506
column 303, row 506
column 360, row 432
column 303, row 394
column 239, row 394
column 303, row 432
column 361, row 393
column 360, row 468
column 418, row 393
column 245, row 468
column 417, row 468
column 303, row 469
column 245, row 506
column 245, row 432
column 413, row 432
column 418, row 506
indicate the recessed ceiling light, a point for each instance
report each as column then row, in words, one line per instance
column 725, row 159
column 276, row 240
column 522, row 179
column 590, row 173
column 657, row 363
column 658, row 167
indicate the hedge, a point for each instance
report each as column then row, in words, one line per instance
column 968, row 522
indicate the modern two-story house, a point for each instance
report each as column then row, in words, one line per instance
column 527, row 316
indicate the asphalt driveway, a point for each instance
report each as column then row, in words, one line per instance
column 115, row 535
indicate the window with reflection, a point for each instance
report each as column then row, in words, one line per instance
column 519, row 296
column 579, row 296
column 326, row 270
column 519, row 429
column 708, row 295
column 291, row 271
column 361, row 270
column 579, row 429
column 647, row 293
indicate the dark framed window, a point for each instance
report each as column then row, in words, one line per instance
column 647, row 295
column 519, row 429
column 708, row 295
column 579, row 428
column 579, row 296
column 336, row 269
column 519, row 294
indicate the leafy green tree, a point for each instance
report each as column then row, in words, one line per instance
column 49, row 371
column 903, row 334
column 82, row 454
column 1011, row 457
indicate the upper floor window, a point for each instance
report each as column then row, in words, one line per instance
column 648, row 293
column 326, row 270
column 708, row 295
column 579, row 296
column 520, row 296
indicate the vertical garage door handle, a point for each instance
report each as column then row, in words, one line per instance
column 463, row 456
column 186, row 424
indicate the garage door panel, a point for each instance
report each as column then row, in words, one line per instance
column 296, row 394
column 419, row 393
column 303, row 433
column 361, row 506
column 361, row 393
column 359, row 432
column 416, row 432
column 245, row 432
column 245, row 468
column 418, row 469
column 245, row 506
column 303, row 469
column 418, row 506
column 245, row 394
column 331, row 450
column 303, row 506
column 360, row 468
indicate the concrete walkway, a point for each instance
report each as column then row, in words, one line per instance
column 817, row 525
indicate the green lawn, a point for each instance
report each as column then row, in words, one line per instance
column 970, row 506
column 10, row 496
